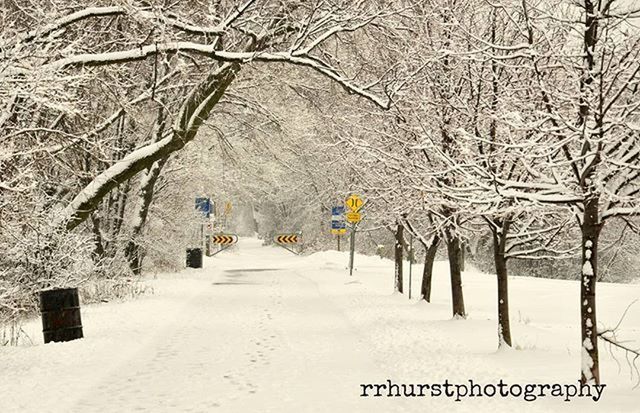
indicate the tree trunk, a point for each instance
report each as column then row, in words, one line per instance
column 118, row 220
column 457, row 299
column 427, row 273
column 147, row 186
column 591, row 227
column 500, row 260
column 398, row 258
column 98, row 248
column 132, row 250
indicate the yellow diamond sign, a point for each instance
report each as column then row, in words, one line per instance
column 354, row 203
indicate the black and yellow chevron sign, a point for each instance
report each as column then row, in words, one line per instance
column 224, row 239
column 286, row 239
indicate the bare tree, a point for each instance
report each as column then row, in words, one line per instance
column 575, row 127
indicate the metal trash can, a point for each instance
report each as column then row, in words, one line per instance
column 194, row 258
column 60, row 309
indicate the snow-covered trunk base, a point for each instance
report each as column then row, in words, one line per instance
column 457, row 299
column 590, row 233
column 504, row 326
column 398, row 250
column 427, row 272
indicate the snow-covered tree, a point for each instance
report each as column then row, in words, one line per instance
column 575, row 126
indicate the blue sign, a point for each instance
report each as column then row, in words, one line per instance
column 338, row 225
column 337, row 218
column 337, row 213
column 203, row 205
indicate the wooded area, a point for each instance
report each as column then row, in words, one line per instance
column 506, row 129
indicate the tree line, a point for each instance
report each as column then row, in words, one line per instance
column 519, row 116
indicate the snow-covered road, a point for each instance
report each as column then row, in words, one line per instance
column 248, row 333
column 254, row 336
column 261, row 330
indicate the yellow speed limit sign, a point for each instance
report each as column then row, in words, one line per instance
column 353, row 217
column 354, row 203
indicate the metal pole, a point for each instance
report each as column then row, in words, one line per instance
column 338, row 235
column 202, row 236
column 353, row 247
column 301, row 243
column 410, row 261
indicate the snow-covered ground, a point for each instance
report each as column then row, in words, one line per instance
column 261, row 330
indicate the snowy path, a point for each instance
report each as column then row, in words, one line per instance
column 243, row 338
column 266, row 346
column 261, row 330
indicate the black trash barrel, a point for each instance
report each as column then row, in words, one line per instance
column 194, row 258
column 60, row 310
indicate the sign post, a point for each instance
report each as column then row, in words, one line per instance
column 224, row 241
column 338, row 227
column 352, row 248
column 284, row 240
column 410, row 260
column 354, row 203
column 203, row 208
column 203, row 205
